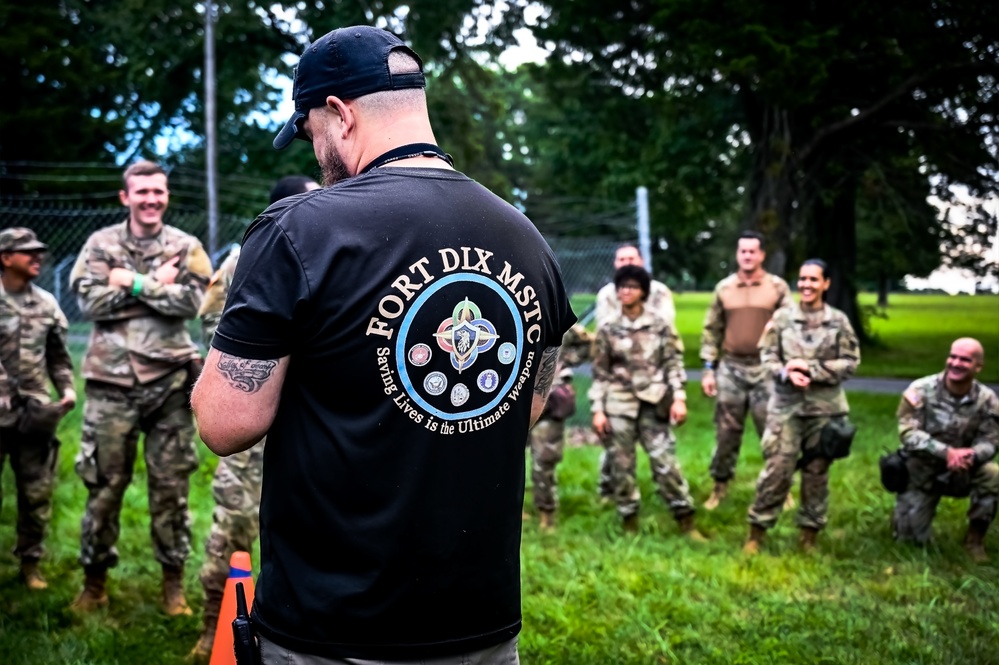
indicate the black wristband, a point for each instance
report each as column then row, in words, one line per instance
column 709, row 364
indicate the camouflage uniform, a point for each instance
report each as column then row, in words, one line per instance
column 238, row 477
column 732, row 328
column 637, row 372
column 137, row 369
column 796, row 417
column 608, row 308
column 931, row 421
column 548, row 434
column 32, row 350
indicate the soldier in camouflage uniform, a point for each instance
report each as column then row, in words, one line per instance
column 548, row 434
column 139, row 282
column 238, row 477
column 808, row 350
column 659, row 301
column 949, row 427
column 637, row 392
column 742, row 304
column 32, row 352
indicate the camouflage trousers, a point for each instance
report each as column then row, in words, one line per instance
column 929, row 480
column 33, row 460
column 660, row 444
column 546, row 452
column 787, row 436
column 113, row 418
column 742, row 389
column 236, row 518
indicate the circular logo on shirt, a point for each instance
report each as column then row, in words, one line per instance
column 435, row 383
column 488, row 380
column 483, row 331
column 459, row 394
column 420, row 354
column 506, row 353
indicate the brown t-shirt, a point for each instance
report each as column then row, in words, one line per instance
column 738, row 313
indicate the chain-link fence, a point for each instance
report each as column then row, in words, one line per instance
column 64, row 221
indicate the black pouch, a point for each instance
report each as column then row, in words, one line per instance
column 37, row 419
column 561, row 402
column 894, row 472
column 837, row 437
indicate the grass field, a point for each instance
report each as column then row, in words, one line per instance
column 911, row 337
column 592, row 595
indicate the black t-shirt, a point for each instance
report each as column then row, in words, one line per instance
column 415, row 306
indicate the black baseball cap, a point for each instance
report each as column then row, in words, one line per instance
column 347, row 63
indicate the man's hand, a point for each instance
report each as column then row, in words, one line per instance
column 708, row 384
column 797, row 364
column 68, row 401
column 167, row 273
column 799, row 380
column 960, row 459
column 678, row 412
column 4, row 403
column 122, row 277
column 601, row 425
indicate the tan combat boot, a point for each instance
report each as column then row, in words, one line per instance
column 202, row 651
column 174, row 603
column 755, row 540
column 631, row 523
column 547, row 520
column 808, row 539
column 688, row 529
column 94, row 595
column 974, row 542
column 31, row 576
column 718, row 495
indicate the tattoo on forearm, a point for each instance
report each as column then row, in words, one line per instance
column 248, row 376
column 546, row 371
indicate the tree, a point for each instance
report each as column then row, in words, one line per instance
column 824, row 91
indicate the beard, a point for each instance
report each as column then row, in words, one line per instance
column 332, row 167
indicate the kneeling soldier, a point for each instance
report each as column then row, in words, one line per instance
column 949, row 427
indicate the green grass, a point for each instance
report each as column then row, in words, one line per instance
column 911, row 338
column 592, row 595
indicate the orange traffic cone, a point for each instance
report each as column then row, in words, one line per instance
column 239, row 571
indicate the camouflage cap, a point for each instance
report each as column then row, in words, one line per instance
column 20, row 239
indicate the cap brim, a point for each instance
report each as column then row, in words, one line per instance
column 30, row 246
column 289, row 132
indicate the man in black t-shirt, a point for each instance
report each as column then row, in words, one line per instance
column 395, row 335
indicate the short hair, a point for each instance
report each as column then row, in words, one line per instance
column 399, row 62
column 141, row 167
column 751, row 235
column 633, row 272
column 289, row 186
column 820, row 263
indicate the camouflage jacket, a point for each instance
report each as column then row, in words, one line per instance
column 824, row 339
column 32, row 347
column 137, row 339
column 931, row 420
column 738, row 313
column 214, row 302
column 660, row 301
column 634, row 362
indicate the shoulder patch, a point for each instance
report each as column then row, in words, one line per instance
column 913, row 397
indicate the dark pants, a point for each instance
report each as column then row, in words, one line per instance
column 33, row 459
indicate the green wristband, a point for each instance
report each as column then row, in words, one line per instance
column 137, row 284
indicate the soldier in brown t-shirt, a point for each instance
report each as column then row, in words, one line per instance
column 742, row 305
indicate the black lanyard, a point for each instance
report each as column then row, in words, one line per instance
column 407, row 151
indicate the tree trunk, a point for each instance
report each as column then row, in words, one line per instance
column 882, row 290
column 832, row 236
column 772, row 186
